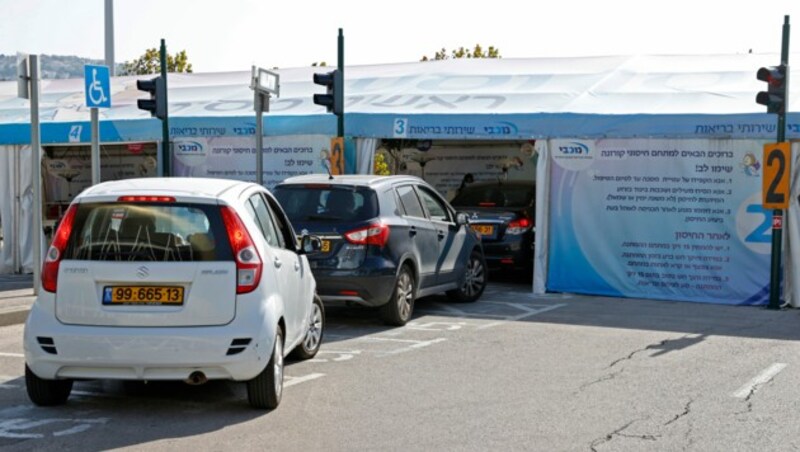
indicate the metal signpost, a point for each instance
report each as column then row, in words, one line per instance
column 28, row 88
column 264, row 83
column 97, row 86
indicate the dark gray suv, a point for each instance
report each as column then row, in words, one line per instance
column 386, row 240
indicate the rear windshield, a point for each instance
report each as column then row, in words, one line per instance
column 494, row 196
column 148, row 232
column 329, row 203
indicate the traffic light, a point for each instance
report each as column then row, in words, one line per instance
column 157, row 104
column 333, row 101
column 775, row 96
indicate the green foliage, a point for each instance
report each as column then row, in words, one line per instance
column 150, row 63
column 321, row 63
column 464, row 52
column 381, row 168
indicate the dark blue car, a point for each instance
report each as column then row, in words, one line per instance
column 503, row 214
column 386, row 240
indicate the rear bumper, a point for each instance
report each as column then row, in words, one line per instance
column 513, row 253
column 146, row 353
column 365, row 287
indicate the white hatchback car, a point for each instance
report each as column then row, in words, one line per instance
column 173, row 279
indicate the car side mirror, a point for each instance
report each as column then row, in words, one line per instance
column 310, row 244
column 461, row 218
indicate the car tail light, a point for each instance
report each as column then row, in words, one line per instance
column 374, row 234
column 146, row 198
column 248, row 262
column 519, row 226
column 56, row 251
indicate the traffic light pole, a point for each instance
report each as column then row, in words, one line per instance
column 166, row 148
column 777, row 214
column 340, row 128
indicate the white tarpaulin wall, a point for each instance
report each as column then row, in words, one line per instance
column 657, row 218
column 15, row 211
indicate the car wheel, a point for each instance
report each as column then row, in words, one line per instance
column 311, row 343
column 46, row 392
column 475, row 279
column 265, row 390
column 397, row 312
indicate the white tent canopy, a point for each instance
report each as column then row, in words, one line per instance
column 679, row 85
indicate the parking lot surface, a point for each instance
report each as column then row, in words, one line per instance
column 513, row 370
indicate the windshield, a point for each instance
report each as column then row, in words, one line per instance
column 327, row 203
column 495, row 196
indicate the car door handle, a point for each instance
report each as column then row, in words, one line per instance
column 412, row 231
column 296, row 265
column 278, row 263
column 441, row 234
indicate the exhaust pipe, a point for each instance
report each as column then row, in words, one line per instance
column 196, row 378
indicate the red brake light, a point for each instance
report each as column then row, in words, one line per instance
column 374, row 234
column 56, row 251
column 486, row 204
column 519, row 226
column 145, row 198
column 248, row 262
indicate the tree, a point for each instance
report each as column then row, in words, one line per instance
column 322, row 63
column 150, row 63
column 463, row 52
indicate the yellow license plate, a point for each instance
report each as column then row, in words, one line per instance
column 326, row 246
column 483, row 229
column 149, row 295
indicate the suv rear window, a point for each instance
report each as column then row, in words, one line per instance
column 330, row 203
column 495, row 196
column 148, row 232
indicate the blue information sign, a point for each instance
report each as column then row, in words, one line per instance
column 97, row 85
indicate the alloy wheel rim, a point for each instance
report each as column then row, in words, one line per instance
column 314, row 329
column 277, row 358
column 405, row 292
column 475, row 278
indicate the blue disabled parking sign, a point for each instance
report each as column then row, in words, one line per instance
column 97, row 85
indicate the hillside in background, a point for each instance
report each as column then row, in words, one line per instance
column 52, row 66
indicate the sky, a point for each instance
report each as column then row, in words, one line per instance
column 232, row 35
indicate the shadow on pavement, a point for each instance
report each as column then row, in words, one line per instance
column 509, row 299
column 171, row 410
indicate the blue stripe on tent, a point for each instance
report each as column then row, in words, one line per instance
column 427, row 126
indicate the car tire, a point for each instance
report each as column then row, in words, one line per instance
column 46, row 392
column 475, row 279
column 398, row 311
column 265, row 390
column 309, row 347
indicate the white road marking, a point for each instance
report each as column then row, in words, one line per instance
column 12, row 355
column 14, row 428
column 435, row 326
column 764, row 377
column 529, row 313
column 415, row 345
column 297, row 380
column 342, row 356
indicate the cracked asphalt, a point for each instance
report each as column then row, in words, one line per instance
column 512, row 371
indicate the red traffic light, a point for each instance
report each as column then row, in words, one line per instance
column 774, row 75
column 775, row 96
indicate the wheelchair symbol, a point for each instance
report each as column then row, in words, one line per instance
column 96, row 94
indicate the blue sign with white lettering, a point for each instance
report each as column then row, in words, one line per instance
column 97, row 86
